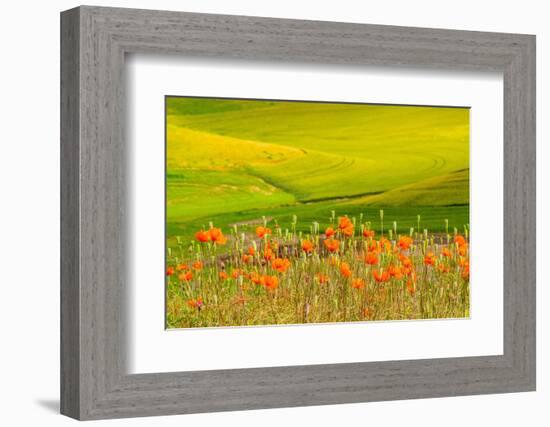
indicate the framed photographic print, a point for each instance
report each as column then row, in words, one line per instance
column 262, row 213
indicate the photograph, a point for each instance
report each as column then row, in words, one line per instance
column 296, row 212
column 276, row 214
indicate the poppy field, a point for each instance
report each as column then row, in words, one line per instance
column 295, row 212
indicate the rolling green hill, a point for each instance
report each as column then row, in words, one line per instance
column 446, row 190
column 235, row 160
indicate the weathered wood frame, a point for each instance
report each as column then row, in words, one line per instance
column 94, row 41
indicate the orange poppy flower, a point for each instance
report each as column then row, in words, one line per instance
column 344, row 222
column 185, row 276
column 405, row 242
column 217, row 236
column 280, row 264
column 446, row 252
column 463, row 249
column 380, row 276
column 256, row 278
column 323, row 278
column 406, row 261
column 236, row 273
column 395, row 272
column 196, row 303
column 345, row 225
column 345, row 269
column 332, row 245
column 385, row 244
column 262, row 231
column 373, row 246
column 329, row 232
column 251, row 250
column 197, row 265
column 371, row 258
column 246, row 258
column 407, row 271
column 442, row 268
column 182, row 267
column 460, row 240
column 357, row 283
column 268, row 253
column 270, row 282
column 348, row 231
column 202, row 236
column 223, row 275
column 307, row 246
column 170, row 271
column 368, row 234
column 466, row 271
column 429, row 259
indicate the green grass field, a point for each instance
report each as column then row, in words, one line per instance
column 236, row 161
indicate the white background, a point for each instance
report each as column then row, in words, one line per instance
column 29, row 217
column 154, row 349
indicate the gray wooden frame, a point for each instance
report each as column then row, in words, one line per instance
column 94, row 382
